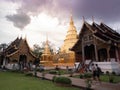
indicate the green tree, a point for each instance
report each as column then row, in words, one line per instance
column 37, row 50
column 51, row 46
column 3, row 46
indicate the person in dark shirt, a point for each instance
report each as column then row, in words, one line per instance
column 98, row 72
column 93, row 71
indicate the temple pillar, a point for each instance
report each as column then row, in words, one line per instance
column 83, row 53
column 108, row 54
column 96, row 53
column 95, row 47
column 117, row 55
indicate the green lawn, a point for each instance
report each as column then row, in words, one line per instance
column 105, row 78
column 17, row 81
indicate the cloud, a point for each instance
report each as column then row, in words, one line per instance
column 34, row 7
column 20, row 20
column 108, row 10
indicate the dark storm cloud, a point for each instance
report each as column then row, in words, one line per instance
column 35, row 6
column 28, row 7
column 20, row 20
column 107, row 10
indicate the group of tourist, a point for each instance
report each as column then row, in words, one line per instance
column 96, row 71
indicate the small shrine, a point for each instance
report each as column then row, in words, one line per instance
column 47, row 57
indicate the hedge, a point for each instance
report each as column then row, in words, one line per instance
column 53, row 72
column 62, row 80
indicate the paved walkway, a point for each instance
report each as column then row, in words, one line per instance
column 81, row 83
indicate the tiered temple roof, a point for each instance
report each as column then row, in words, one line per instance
column 18, row 46
column 101, row 32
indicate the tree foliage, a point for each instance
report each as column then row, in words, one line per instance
column 3, row 46
column 37, row 50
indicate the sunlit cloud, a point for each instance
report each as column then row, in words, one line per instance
column 42, row 26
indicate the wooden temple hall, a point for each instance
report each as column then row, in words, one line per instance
column 17, row 52
column 97, row 43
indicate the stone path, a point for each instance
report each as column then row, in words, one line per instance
column 81, row 83
column 107, row 86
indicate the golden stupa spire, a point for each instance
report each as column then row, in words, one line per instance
column 71, row 20
column 71, row 37
column 47, row 40
column 46, row 48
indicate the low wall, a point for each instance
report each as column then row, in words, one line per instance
column 109, row 66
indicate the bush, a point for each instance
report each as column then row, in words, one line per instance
column 81, row 76
column 107, row 72
column 28, row 74
column 53, row 72
column 16, row 71
column 87, row 75
column 113, row 73
column 88, row 84
column 53, row 79
column 111, row 79
column 62, row 80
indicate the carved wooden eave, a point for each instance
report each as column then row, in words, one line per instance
column 76, row 47
column 84, row 26
column 95, row 31
column 9, row 55
column 81, row 29
column 29, row 49
column 90, row 27
column 16, row 45
column 13, row 44
column 102, row 33
column 100, row 39
column 110, row 31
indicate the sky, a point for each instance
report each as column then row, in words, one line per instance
column 38, row 19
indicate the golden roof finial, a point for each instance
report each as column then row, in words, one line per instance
column 46, row 39
column 71, row 18
column 83, row 19
column 25, row 36
column 101, row 20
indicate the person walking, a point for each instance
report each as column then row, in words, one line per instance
column 93, row 71
column 98, row 72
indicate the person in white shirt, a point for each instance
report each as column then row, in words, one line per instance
column 93, row 71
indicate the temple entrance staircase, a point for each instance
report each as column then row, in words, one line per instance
column 84, row 66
